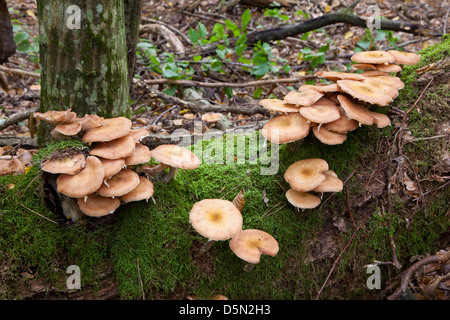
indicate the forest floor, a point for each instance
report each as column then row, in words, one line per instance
column 393, row 212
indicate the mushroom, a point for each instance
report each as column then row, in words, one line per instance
column 373, row 57
column 375, row 73
column 408, row 58
column 95, row 205
column 211, row 117
column 394, row 82
column 355, row 111
column 56, row 117
column 333, row 87
column 112, row 167
column 138, row 134
column 331, row 184
column 215, row 219
column 334, row 75
column 115, row 149
column 143, row 191
column 278, row 105
column 328, row 137
column 305, row 175
column 83, row 183
column 70, row 164
column 119, row 184
column 250, row 244
column 176, row 157
column 141, row 154
column 286, row 128
column 302, row 200
column 379, row 86
column 303, row 98
column 69, row 129
column 321, row 113
column 110, row 129
column 364, row 92
column 390, row 67
column 364, row 66
column 342, row 125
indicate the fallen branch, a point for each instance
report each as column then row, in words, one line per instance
column 20, row 72
column 164, row 31
column 17, row 117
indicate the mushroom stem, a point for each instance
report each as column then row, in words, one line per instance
column 152, row 170
column 172, row 174
column 249, row 267
column 206, row 246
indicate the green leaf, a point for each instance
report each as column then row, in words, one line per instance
column 364, row 44
column 193, row 36
column 257, row 93
column 228, row 91
column 246, row 17
column 169, row 73
column 261, row 69
column 170, row 90
column 233, row 28
column 197, row 58
column 202, row 31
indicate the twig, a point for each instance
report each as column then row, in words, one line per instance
column 40, row 215
column 230, row 191
column 335, row 263
column 428, row 138
column 20, row 72
column 415, row 103
column 267, row 212
column 163, row 113
column 140, row 280
column 17, row 117
column 349, row 209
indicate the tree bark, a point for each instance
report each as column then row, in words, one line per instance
column 83, row 66
column 133, row 9
column 7, row 44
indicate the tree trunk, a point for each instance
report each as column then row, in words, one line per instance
column 83, row 58
column 133, row 9
column 7, row 44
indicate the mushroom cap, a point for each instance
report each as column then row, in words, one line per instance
column 331, row 184
column 381, row 120
column 361, row 91
column 115, row 149
column 364, row 66
column 321, row 113
column 83, row 183
column 390, row 67
column 394, row 82
column 119, row 184
column 305, row 175
column 278, row 105
column 112, row 166
column 342, row 125
column 140, row 154
column 335, row 75
column 376, row 73
column 331, row 173
column 286, row 128
column 56, row 117
column 328, row 137
column 374, row 57
column 137, row 134
column 332, row 87
column 68, row 165
column 211, row 117
column 325, row 101
column 216, row 219
column 175, row 156
column 355, row 111
column 404, row 57
column 379, row 86
column 250, row 244
column 69, row 129
column 303, row 98
column 97, row 206
column 303, row 200
column 143, row 191
column 110, row 129
column 90, row 121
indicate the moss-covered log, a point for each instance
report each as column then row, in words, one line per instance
column 83, row 57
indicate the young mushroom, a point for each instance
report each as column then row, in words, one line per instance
column 286, row 128
column 95, row 205
column 305, row 175
column 69, row 164
column 302, row 200
column 250, row 244
column 215, row 219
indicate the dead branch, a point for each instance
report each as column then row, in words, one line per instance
column 17, row 117
column 20, row 72
column 437, row 258
column 164, row 31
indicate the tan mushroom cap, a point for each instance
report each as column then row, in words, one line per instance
column 278, row 105
column 374, row 57
column 85, row 182
column 216, row 219
column 325, row 101
column 141, row 154
column 390, row 67
column 376, row 73
column 342, row 125
column 303, row 200
column 90, row 121
column 10, row 166
column 114, row 149
column 328, row 137
column 68, row 165
column 331, row 173
column 335, row 75
column 364, row 66
column 394, row 82
column 211, row 117
column 119, row 184
column 305, row 175
column 139, row 133
column 355, row 111
column 332, row 87
column 69, row 129
column 250, row 244
column 175, row 156
column 56, row 117
column 404, row 57
column 286, row 128
column 110, row 129
column 112, row 166
column 97, row 206
column 381, row 120
column 361, row 91
column 331, row 184
column 381, row 87
column 303, row 98
column 143, row 191
column 321, row 113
